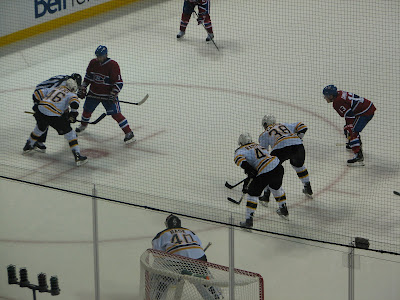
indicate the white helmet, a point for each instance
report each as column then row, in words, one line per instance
column 268, row 120
column 244, row 139
column 71, row 85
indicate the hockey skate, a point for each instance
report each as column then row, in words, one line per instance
column 79, row 159
column 180, row 34
column 39, row 147
column 28, row 148
column 283, row 212
column 210, row 37
column 264, row 199
column 80, row 128
column 129, row 138
column 307, row 190
column 357, row 160
column 248, row 224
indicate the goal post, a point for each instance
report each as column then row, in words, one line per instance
column 167, row 276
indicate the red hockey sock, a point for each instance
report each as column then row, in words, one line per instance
column 208, row 24
column 122, row 122
column 184, row 22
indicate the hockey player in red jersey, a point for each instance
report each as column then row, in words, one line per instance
column 204, row 17
column 357, row 112
column 104, row 77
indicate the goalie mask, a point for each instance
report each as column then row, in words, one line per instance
column 172, row 221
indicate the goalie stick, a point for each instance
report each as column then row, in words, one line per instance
column 229, row 186
column 396, row 193
column 102, row 116
column 134, row 103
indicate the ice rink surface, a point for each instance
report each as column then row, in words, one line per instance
column 275, row 58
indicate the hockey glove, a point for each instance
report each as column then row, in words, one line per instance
column 35, row 107
column 82, row 92
column 72, row 115
column 249, row 170
column 245, row 188
column 348, row 130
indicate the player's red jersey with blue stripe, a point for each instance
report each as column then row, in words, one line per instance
column 103, row 77
column 350, row 106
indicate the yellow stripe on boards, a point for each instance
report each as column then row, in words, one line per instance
column 62, row 21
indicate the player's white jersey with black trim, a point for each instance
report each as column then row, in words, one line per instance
column 53, row 82
column 257, row 156
column 281, row 135
column 179, row 241
column 43, row 88
column 57, row 101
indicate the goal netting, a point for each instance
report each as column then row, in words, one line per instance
column 168, row 276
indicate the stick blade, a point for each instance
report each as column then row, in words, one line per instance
column 143, row 100
column 228, row 185
column 103, row 115
column 233, row 200
column 396, row 193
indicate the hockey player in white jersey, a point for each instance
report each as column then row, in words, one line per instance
column 53, row 110
column 41, row 91
column 178, row 240
column 263, row 170
column 286, row 142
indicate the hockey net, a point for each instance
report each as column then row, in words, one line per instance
column 168, row 276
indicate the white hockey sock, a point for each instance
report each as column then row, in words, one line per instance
column 279, row 196
column 251, row 206
column 302, row 173
column 36, row 133
column 73, row 141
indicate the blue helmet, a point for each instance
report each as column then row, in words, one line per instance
column 101, row 51
column 330, row 90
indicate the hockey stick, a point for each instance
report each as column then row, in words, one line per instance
column 212, row 40
column 236, row 202
column 134, row 103
column 208, row 246
column 241, row 198
column 396, row 193
column 229, row 186
column 102, row 116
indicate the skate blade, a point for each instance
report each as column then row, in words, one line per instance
column 130, row 141
column 308, row 195
column 27, row 151
column 81, row 163
column 356, row 164
column 245, row 229
column 40, row 150
column 286, row 218
column 264, row 203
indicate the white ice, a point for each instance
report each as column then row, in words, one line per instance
column 275, row 58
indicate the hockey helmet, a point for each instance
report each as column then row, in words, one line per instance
column 101, row 51
column 330, row 90
column 172, row 221
column 244, row 139
column 268, row 120
column 77, row 78
column 71, row 85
